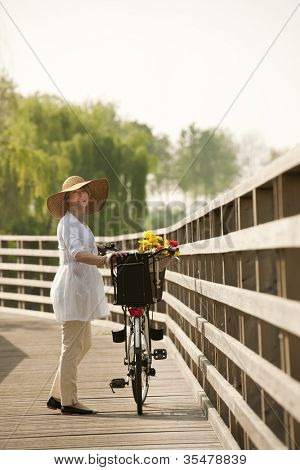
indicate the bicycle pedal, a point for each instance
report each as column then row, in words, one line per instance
column 118, row 383
column 152, row 372
column 160, row 354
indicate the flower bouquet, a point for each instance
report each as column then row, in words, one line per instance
column 152, row 243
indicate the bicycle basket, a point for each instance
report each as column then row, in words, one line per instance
column 134, row 284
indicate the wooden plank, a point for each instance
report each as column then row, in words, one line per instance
column 25, row 312
column 278, row 311
column 222, row 431
column 283, row 388
column 29, row 252
column 281, row 233
column 28, row 267
column 39, row 299
column 14, row 281
column 29, row 238
column 260, row 434
column 172, row 416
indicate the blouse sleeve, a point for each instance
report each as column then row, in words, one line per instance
column 74, row 236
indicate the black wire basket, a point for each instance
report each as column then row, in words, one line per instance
column 139, row 280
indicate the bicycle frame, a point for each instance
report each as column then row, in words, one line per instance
column 135, row 322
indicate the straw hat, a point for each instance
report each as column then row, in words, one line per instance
column 98, row 194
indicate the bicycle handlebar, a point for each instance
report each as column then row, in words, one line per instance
column 111, row 247
column 170, row 249
column 106, row 247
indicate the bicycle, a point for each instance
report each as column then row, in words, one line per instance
column 136, row 288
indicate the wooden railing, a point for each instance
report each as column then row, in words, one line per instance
column 231, row 306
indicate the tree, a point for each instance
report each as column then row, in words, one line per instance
column 252, row 154
column 43, row 141
column 206, row 161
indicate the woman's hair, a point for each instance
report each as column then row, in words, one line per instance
column 66, row 201
column 87, row 189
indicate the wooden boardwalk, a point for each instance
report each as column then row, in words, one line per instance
column 29, row 352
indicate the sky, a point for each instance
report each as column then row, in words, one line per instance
column 166, row 63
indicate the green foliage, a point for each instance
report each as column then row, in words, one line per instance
column 206, row 161
column 43, row 140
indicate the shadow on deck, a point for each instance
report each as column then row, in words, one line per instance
column 30, row 350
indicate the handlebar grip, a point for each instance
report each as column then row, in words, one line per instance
column 108, row 246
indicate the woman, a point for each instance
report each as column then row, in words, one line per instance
column 77, row 290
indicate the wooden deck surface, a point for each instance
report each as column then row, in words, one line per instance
column 29, row 355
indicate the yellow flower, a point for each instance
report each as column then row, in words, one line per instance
column 148, row 234
column 153, row 237
column 151, row 243
column 156, row 238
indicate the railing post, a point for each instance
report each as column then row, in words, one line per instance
column 1, row 275
column 41, row 276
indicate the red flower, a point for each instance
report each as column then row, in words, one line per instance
column 173, row 242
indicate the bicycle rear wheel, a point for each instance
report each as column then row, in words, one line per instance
column 137, row 377
column 139, row 361
column 146, row 358
column 137, row 383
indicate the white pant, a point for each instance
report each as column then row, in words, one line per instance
column 76, row 341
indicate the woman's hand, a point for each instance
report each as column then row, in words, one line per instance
column 113, row 257
column 100, row 246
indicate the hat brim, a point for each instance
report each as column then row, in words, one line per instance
column 99, row 192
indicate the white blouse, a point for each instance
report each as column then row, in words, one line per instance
column 77, row 290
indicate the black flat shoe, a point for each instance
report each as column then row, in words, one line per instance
column 53, row 404
column 72, row 410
